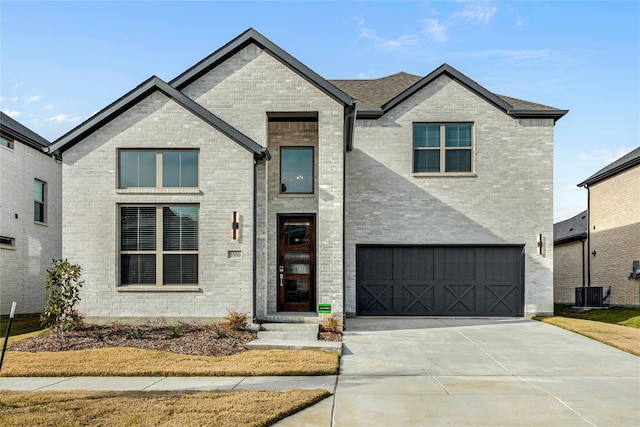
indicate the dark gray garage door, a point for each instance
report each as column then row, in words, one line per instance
column 440, row 280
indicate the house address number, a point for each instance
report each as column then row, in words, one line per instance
column 234, row 254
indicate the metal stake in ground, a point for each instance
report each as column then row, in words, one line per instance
column 6, row 338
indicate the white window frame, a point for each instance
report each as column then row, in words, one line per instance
column 159, row 252
column 443, row 149
column 43, row 202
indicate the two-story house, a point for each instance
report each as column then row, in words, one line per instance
column 249, row 182
column 30, row 216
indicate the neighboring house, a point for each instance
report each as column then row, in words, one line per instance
column 570, row 257
column 30, row 216
column 614, row 229
column 249, row 182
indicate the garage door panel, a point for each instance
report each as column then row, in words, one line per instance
column 440, row 280
column 417, row 299
column 460, row 299
column 376, row 298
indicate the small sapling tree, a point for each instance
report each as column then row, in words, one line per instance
column 62, row 289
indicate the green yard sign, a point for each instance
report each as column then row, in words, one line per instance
column 324, row 308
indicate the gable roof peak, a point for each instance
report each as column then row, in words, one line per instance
column 253, row 36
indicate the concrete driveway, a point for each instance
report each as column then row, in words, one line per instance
column 480, row 372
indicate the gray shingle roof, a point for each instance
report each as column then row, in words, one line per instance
column 21, row 133
column 571, row 229
column 623, row 163
column 385, row 93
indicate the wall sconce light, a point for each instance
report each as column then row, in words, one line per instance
column 593, row 253
column 540, row 244
column 235, row 226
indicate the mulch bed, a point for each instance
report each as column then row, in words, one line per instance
column 190, row 339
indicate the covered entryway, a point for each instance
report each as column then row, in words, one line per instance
column 440, row 280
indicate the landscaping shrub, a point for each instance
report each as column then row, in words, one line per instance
column 331, row 324
column 63, row 293
column 237, row 320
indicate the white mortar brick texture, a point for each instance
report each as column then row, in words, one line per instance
column 241, row 91
column 91, row 199
column 509, row 201
column 23, row 269
column 614, row 230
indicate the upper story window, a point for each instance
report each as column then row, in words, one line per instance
column 7, row 242
column 442, row 148
column 157, row 169
column 39, row 201
column 296, row 170
column 4, row 142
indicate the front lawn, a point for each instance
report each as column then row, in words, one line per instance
column 616, row 315
column 147, row 408
column 617, row 326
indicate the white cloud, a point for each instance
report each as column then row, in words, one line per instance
column 363, row 76
column 519, row 21
column 11, row 113
column 2, row 98
column 601, row 157
column 60, row 118
column 359, row 20
column 514, row 54
column 435, row 30
column 477, row 11
column 402, row 41
column 31, row 99
column 15, row 99
column 48, row 107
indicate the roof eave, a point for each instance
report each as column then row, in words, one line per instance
column 370, row 113
column 23, row 139
column 602, row 176
column 527, row 113
column 569, row 239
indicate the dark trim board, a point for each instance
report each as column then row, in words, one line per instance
column 442, row 280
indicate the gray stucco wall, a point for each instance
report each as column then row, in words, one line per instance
column 90, row 205
column 508, row 201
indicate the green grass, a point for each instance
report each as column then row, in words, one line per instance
column 615, row 315
column 22, row 324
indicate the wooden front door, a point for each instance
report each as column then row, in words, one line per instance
column 296, row 263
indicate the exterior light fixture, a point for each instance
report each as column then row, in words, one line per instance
column 540, row 244
column 235, row 226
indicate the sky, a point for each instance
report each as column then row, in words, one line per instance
column 61, row 62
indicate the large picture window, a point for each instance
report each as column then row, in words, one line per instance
column 157, row 169
column 159, row 245
column 442, row 148
column 296, row 170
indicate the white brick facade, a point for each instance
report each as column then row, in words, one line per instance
column 23, row 268
column 508, row 201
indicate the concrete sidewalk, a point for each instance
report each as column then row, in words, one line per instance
column 166, row 383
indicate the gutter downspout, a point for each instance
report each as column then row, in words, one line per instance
column 349, row 132
column 588, row 237
column 583, row 273
column 255, row 223
column 257, row 161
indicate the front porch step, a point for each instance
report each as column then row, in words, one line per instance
column 289, row 331
column 292, row 336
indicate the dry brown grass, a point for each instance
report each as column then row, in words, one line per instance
column 139, row 408
column 622, row 337
column 125, row 361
